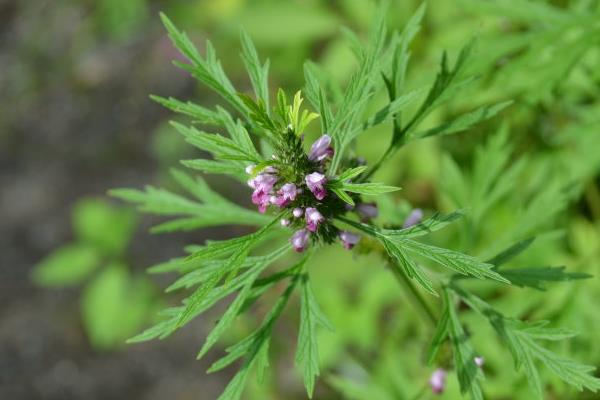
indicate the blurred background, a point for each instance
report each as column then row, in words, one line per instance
column 76, row 120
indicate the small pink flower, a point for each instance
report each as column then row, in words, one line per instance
column 321, row 149
column 349, row 239
column 264, row 182
column 437, row 381
column 313, row 219
column 284, row 222
column 261, row 199
column 286, row 194
column 298, row 212
column 316, row 184
column 479, row 361
column 367, row 211
column 299, row 240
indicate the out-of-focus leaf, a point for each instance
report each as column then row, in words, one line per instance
column 66, row 266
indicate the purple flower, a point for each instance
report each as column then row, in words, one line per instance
column 316, row 184
column 261, row 199
column 367, row 211
column 263, row 186
column 298, row 212
column 349, row 239
column 313, row 219
column 413, row 218
column 437, row 381
column 479, row 361
column 263, row 182
column 284, row 222
column 299, row 240
column 321, row 149
column 286, row 194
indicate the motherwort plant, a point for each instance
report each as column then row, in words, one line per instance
column 312, row 194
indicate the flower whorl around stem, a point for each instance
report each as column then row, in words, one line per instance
column 296, row 183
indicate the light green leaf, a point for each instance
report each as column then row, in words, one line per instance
column 307, row 353
column 66, row 266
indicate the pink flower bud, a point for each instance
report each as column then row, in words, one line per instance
column 316, row 184
column 284, row 222
column 413, row 218
column 349, row 239
column 313, row 219
column 479, row 361
column 298, row 212
column 299, row 240
column 437, row 381
column 321, row 149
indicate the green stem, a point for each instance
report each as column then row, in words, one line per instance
column 417, row 298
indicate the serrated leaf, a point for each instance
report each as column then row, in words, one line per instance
column 467, row 371
column 464, row 121
column 459, row 262
column 521, row 339
column 199, row 114
column 434, row 223
column 370, row 188
column 307, row 353
column 207, row 70
column 439, row 336
column 258, row 73
column 537, row 277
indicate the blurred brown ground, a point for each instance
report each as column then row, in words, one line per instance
column 75, row 120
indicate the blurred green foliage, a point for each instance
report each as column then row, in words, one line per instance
column 533, row 173
column 114, row 302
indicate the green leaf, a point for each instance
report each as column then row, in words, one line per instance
column 106, row 228
column 197, row 112
column 258, row 73
column 115, row 305
column 219, row 146
column 215, row 209
column 464, row 121
column 370, row 188
column 459, row 262
column 511, row 252
column 537, row 277
column 407, row 264
column 307, row 353
column 522, row 340
column 351, row 173
column 207, row 70
column 66, row 266
column 248, row 283
column 434, row 223
column 359, row 90
column 343, row 196
column 252, row 348
column 468, row 373
column 216, row 167
column 439, row 336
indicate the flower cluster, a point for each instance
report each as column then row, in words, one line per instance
column 297, row 182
